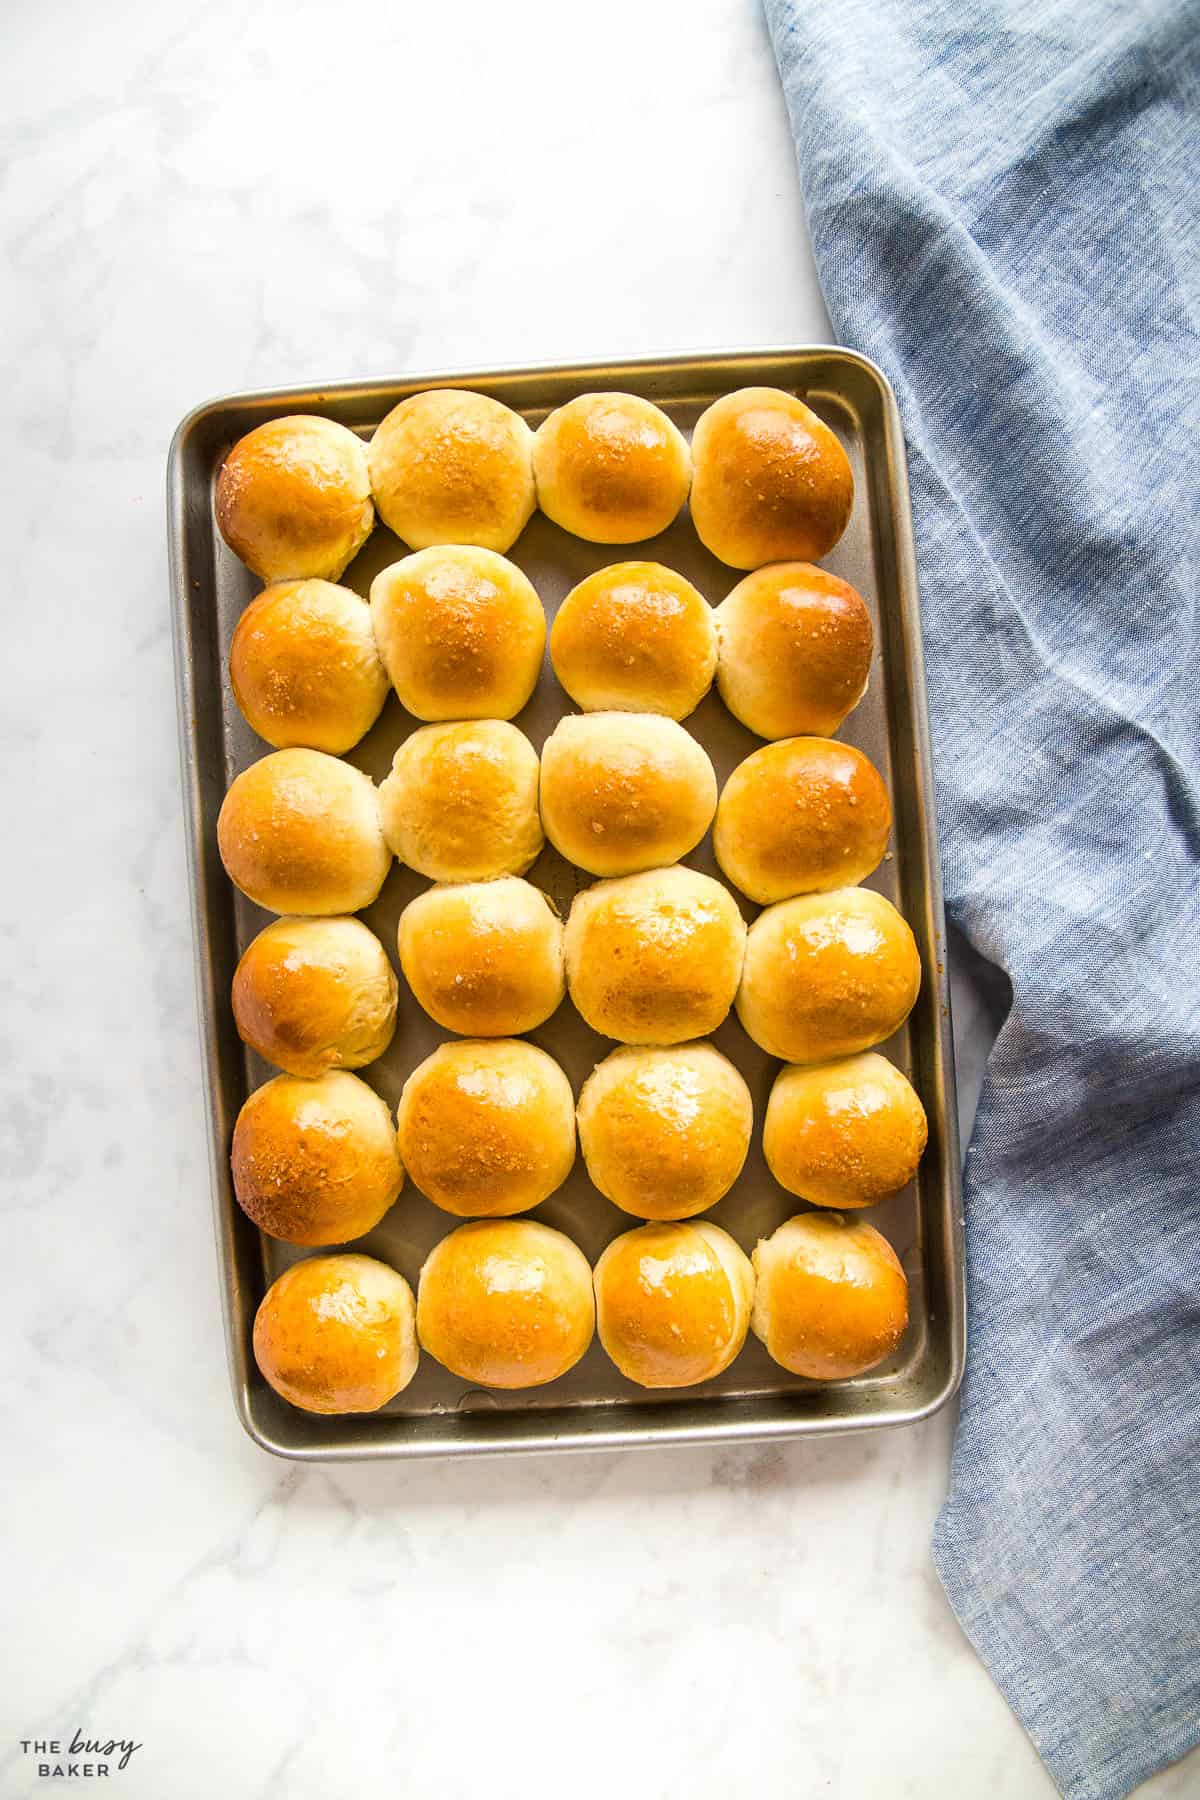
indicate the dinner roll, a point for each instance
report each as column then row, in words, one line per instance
column 635, row 637
column 665, row 1132
column 315, row 994
column 315, row 1162
column 673, row 1303
column 771, row 481
column 461, row 802
column 484, row 958
column 487, row 1127
column 844, row 1133
column 800, row 816
column 337, row 1334
column 624, row 791
column 506, row 1303
column 294, row 499
column 794, row 651
column 827, row 975
column 299, row 832
column 611, row 468
column 462, row 632
column 654, row 958
column 304, row 667
column 451, row 467
column 830, row 1298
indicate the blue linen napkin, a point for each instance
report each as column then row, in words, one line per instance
column 1004, row 201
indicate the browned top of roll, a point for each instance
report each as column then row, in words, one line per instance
column 315, row 1162
column 315, row 994
column 337, row 1334
column 795, row 647
column 611, row 468
column 487, row 1127
column 461, row 630
column 665, row 1130
column 799, row 816
column 828, row 975
column 635, row 637
column 453, row 467
column 506, row 1303
column 461, row 801
column 770, row 482
column 673, row 1303
column 654, row 958
column 484, row 958
column 844, row 1133
column 831, row 1298
column 300, row 832
column 304, row 666
column 294, row 498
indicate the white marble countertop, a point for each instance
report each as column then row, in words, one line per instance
column 243, row 194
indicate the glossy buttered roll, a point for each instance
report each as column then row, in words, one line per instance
column 461, row 631
column 337, row 1334
column 794, row 651
column 611, row 468
column 827, row 975
column 315, row 994
column 673, row 1303
column 830, row 1298
column 484, row 958
column 305, row 669
column 845, row 1133
column 461, row 801
column 300, row 832
column 770, row 479
column 635, row 637
column 487, row 1127
column 665, row 1131
column 801, row 816
column 316, row 1162
column 654, row 958
column 506, row 1303
column 621, row 792
column 453, row 467
column 293, row 498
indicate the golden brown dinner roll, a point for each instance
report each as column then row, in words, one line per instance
column 461, row 802
column 315, row 994
column 337, row 1334
column 294, row 499
column 827, row 975
column 299, row 832
column 304, row 666
column 830, row 1298
column 794, row 651
column 451, row 467
column 625, row 791
column 673, row 1303
column 635, row 637
column 506, row 1303
column 770, row 482
column 665, row 1132
column 315, row 1162
column 484, row 958
column 844, row 1133
column 654, row 958
column 611, row 468
column 799, row 816
column 461, row 630
column 487, row 1127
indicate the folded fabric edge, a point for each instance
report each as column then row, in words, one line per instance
column 1122, row 1770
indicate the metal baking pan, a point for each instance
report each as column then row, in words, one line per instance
column 592, row 1407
